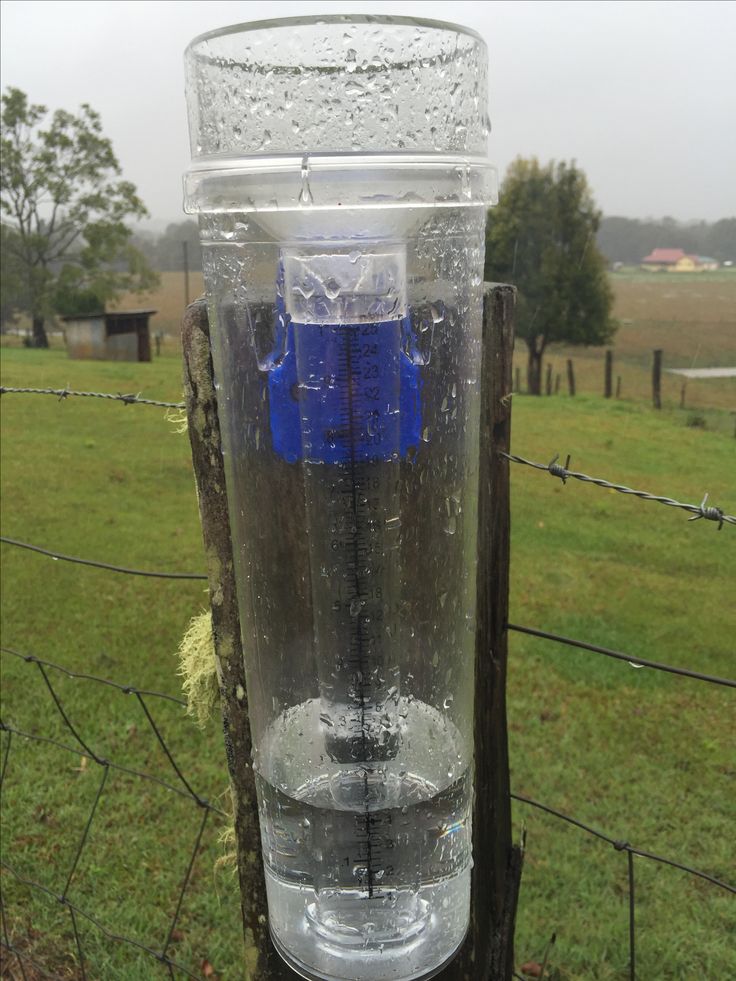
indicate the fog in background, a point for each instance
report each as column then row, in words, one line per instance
column 641, row 95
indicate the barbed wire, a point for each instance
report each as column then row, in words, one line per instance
column 65, row 393
column 100, row 565
column 83, row 749
column 702, row 510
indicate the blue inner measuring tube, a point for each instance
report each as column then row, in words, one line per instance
column 328, row 443
column 345, row 400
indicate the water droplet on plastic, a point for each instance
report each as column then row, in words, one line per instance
column 305, row 194
column 332, row 289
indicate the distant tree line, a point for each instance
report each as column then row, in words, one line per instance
column 625, row 240
column 628, row 240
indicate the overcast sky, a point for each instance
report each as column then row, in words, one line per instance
column 641, row 94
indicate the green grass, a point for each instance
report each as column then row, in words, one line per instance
column 641, row 755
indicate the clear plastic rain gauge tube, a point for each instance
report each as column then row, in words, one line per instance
column 341, row 183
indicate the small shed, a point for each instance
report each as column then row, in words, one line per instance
column 120, row 336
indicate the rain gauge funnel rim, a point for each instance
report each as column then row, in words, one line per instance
column 321, row 20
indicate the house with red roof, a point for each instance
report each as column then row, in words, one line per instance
column 676, row 260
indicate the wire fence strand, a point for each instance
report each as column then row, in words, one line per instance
column 633, row 660
column 100, row 565
column 66, row 393
column 702, row 510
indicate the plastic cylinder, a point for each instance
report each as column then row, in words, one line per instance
column 340, row 179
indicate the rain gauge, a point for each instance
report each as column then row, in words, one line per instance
column 341, row 183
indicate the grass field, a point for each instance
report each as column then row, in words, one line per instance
column 641, row 755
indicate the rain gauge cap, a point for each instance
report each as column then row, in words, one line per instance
column 271, row 99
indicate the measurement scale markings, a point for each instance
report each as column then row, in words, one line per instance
column 358, row 645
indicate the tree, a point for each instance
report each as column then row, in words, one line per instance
column 61, row 195
column 13, row 297
column 541, row 238
column 722, row 240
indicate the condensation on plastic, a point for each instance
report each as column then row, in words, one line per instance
column 338, row 84
column 279, row 112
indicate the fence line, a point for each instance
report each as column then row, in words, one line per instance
column 100, row 565
column 636, row 662
column 632, row 659
column 13, row 734
column 184, row 788
column 65, row 393
column 702, row 510
column 161, row 956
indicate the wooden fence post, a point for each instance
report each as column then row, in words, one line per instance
column 570, row 377
column 261, row 962
column 608, row 386
column 487, row 954
column 618, row 386
column 657, row 379
column 548, row 385
column 185, row 256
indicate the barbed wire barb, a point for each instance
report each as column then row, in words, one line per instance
column 711, row 513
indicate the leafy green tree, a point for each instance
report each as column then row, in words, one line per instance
column 13, row 298
column 541, row 238
column 61, row 195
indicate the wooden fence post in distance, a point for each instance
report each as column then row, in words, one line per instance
column 657, row 379
column 608, row 384
column 570, row 377
column 261, row 962
column 487, row 954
